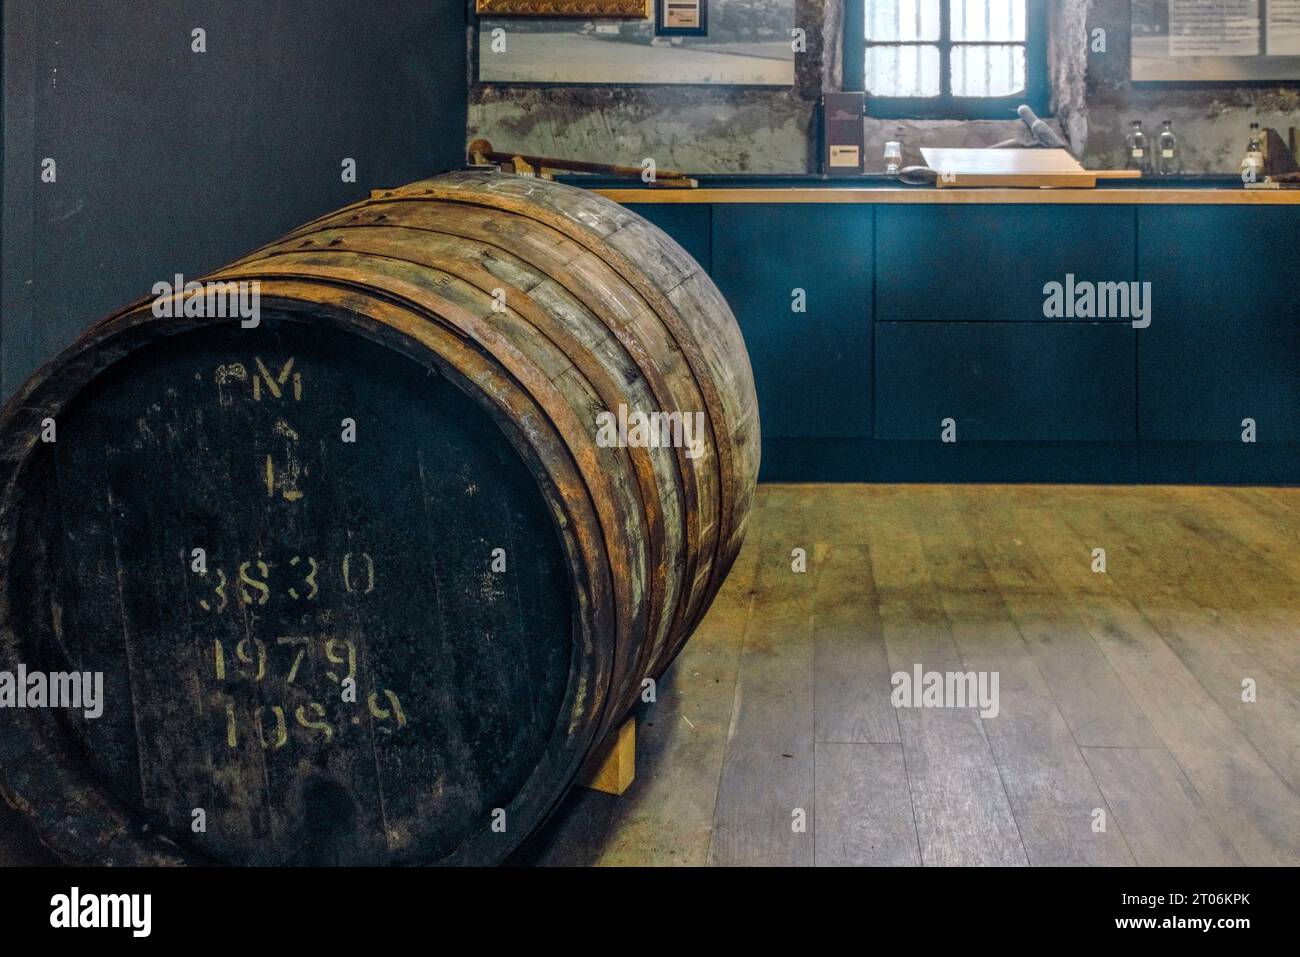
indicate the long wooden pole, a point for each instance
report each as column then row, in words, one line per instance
column 483, row 149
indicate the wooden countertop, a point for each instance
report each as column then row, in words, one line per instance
column 1127, row 196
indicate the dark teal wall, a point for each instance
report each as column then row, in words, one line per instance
column 173, row 161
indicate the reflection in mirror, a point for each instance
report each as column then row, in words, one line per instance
column 749, row 43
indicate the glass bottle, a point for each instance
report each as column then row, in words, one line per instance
column 1137, row 153
column 893, row 157
column 1169, row 155
column 1252, row 167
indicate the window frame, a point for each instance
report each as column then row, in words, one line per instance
column 947, row 106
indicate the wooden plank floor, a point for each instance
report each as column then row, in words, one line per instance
column 1121, row 736
column 773, row 740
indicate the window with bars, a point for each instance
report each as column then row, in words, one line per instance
column 947, row 59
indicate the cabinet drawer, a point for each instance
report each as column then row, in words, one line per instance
column 1048, row 382
column 957, row 263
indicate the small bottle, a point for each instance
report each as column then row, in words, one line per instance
column 1169, row 157
column 893, row 157
column 1252, row 167
column 1137, row 155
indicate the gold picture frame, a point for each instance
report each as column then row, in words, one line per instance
column 592, row 9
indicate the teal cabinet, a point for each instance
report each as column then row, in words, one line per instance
column 799, row 280
column 917, row 312
column 1224, row 340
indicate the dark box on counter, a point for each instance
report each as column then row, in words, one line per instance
column 842, row 134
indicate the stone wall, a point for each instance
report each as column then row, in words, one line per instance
column 1212, row 122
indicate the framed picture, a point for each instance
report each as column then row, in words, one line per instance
column 681, row 18
column 1190, row 41
column 604, row 9
column 748, row 43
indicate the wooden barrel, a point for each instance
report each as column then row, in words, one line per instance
column 368, row 581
